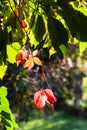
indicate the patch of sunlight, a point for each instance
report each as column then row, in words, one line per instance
column 84, row 83
column 56, row 123
column 70, row 101
column 30, row 125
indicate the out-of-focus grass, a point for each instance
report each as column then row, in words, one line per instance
column 57, row 121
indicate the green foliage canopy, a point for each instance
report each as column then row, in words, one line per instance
column 6, row 115
column 56, row 20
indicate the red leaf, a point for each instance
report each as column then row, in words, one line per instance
column 40, row 99
column 43, row 97
column 21, row 56
column 23, row 23
column 50, row 96
column 25, row 54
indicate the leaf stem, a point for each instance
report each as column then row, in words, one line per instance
column 44, row 76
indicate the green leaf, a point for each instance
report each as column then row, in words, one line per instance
column 81, row 26
column 82, row 47
column 40, row 29
column 32, row 4
column 6, row 116
column 75, row 20
column 61, row 32
column 32, row 20
column 3, row 43
column 47, row 2
column 70, row 20
column 57, row 32
column 12, row 51
column 4, row 104
column 3, row 69
column 5, row 121
column 82, row 10
column 63, row 49
column 53, row 33
column 1, row 38
column 3, row 91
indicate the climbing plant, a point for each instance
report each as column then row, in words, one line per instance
column 28, row 26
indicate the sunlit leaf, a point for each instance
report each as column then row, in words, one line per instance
column 31, row 65
column 11, row 53
column 63, row 49
column 28, row 62
column 35, row 52
column 82, row 3
column 3, row 69
column 82, row 10
column 16, row 46
column 82, row 47
column 6, row 115
column 3, row 91
column 52, row 51
column 37, row 61
column 75, row 20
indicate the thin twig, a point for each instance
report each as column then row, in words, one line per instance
column 18, row 18
column 44, row 76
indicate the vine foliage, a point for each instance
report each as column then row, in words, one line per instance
column 32, row 25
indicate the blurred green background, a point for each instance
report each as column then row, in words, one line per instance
column 68, row 80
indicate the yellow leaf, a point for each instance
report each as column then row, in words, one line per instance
column 37, row 61
column 52, row 51
column 82, row 3
column 28, row 62
column 3, row 69
column 31, row 65
column 82, row 47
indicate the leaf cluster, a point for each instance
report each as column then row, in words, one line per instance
column 56, row 20
column 6, row 115
column 61, row 20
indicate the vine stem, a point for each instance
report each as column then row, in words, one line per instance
column 44, row 76
column 18, row 19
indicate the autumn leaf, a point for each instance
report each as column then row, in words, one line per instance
column 21, row 56
column 52, row 51
column 31, row 65
column 28, row 62
column 23, row 23
column 37, row 61
column 32, row 60
column 43, row 97
column 35, row 52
